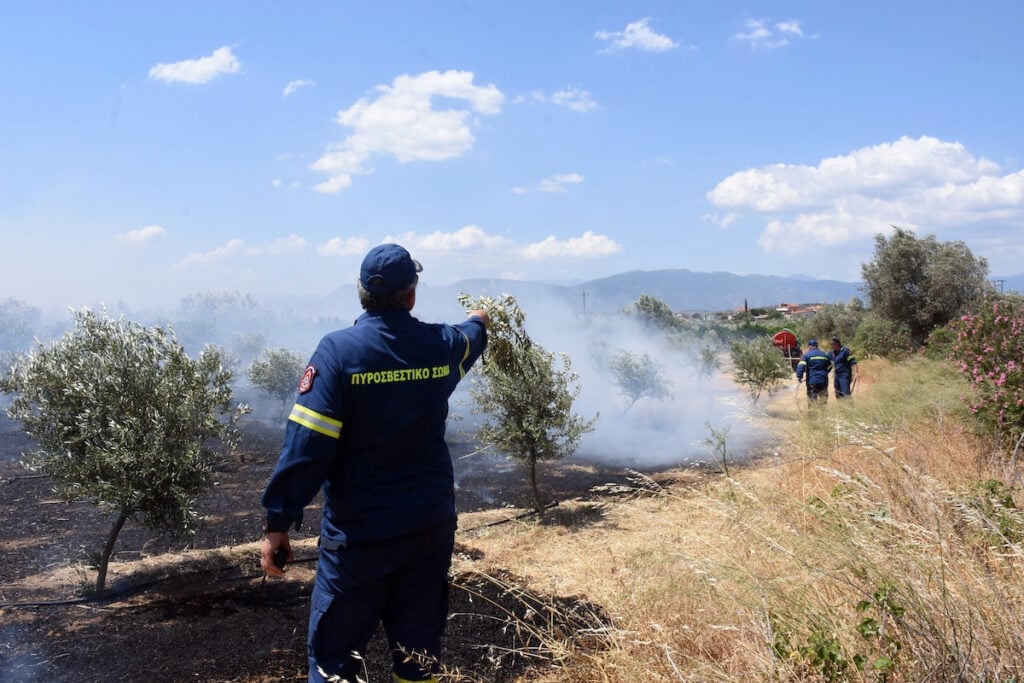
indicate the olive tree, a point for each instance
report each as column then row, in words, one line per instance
column 525, row 393
column 841, row 320
column 637, row 375
column 276, row 373
column 246, row 346
column 922, row 283
column 210, row 317
column 655, row 312
column 759, row 365
column 123, row 418
column 708, row 363
column 18, row 323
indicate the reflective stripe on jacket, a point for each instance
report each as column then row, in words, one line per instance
column 842, row 361
column 816, row 364
column 369, row 426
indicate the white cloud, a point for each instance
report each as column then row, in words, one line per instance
column 237, row 247
column 229, row 248
column 348, row 246
column 792, row 27
column 197, row 71
column 472, row 247
column 470, row 238
column 285, row 245
column 722, row 220
column 447, row 256
column 760, row 35
column 335, row 184
column 574, row 99
column 402, row 122
column 142, row 235
column 586, row 246
column 910, row 182
column 557, row 183
column 293, row 86
column 639, row 35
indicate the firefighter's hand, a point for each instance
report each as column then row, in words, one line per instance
column 482, row 314
column 274, row 542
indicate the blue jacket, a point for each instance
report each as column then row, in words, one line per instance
column 369, row 426
column 816, row 364
column 843, row 361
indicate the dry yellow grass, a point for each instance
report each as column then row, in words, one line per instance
column 871, row 535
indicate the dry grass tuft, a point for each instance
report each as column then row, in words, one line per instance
column 884, row 543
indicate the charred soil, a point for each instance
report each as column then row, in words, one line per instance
column 200, row 610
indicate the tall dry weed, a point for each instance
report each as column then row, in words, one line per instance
column 883, row 542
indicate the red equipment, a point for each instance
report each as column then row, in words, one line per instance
column 785, row 341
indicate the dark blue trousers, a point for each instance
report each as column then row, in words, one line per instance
column 842, row 385
column 817, row 391
column 401, row 582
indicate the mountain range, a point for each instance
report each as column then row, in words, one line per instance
column 682, row 290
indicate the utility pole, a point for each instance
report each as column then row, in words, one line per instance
column 584, row 295
column 999, row 284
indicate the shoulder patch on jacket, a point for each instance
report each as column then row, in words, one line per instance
column 306, row 383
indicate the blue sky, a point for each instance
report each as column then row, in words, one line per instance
column 152, row 149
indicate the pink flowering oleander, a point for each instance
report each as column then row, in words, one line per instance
column 988, row 348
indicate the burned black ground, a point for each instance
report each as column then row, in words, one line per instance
column 223, row 622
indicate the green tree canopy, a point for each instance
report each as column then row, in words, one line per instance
column 276, row 373
column 655, row 312
column 841, row 320
column 759, row 365
column 922, row 283
column 123, row 418
column 708, row 362
column 526, row 396
column 212, row 317
column 637, row 375
column 18, row 323
column 246, row 346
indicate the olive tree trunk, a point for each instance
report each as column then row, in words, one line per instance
column 108, row 549
column 538, row 505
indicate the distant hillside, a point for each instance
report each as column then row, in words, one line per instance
column 682, row 290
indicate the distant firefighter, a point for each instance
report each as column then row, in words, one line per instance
column 816, row 365
column 845, row 371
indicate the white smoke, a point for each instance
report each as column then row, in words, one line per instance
column 652, row 433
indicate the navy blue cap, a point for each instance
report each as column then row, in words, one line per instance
column 388, row 268
column 812, row 342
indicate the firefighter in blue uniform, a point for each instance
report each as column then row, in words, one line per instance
column 368, row 426
column 844, row 368
column 816, row 364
